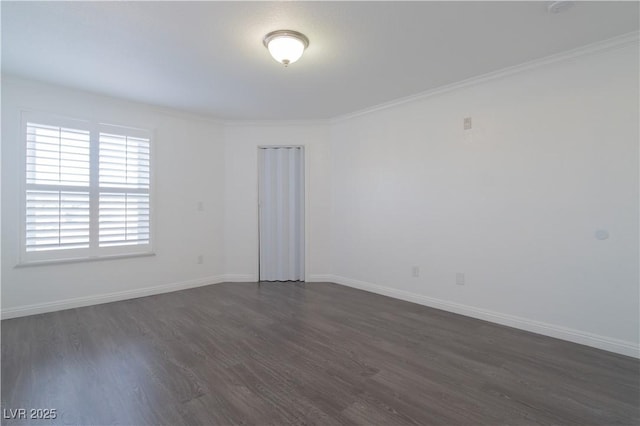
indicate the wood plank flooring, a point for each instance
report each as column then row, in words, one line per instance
column 317, row 353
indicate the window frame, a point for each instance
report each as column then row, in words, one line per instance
column 94, row 251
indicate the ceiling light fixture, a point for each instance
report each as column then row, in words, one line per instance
column 286, row 46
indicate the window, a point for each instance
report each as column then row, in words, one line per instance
column 87, row 190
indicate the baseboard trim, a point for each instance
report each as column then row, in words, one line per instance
column 546, row 329
column 576, row 336
column 78, row 302
column 240, row 278
column 319, row 278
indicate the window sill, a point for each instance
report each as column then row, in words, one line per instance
column 82, row 259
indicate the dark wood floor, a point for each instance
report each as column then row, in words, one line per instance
column 319, row 353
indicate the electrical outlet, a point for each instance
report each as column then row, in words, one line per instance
column 200, row 259
column 415, row 271
column 467, row 123
column 200, row 206
column 460, row 279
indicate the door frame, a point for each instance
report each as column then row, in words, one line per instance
column 306, row 195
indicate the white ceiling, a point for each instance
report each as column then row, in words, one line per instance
column 208, row 57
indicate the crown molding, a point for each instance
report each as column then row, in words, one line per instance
column 590, row 49
column 12, row 79
column 276, row 123
column 601, row 46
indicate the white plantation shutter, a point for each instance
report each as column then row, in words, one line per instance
column 124, row 219
column 124, row 190
column 124, row 161
column 57, row 155
column 57, row 220
column 57, row 192
column 87, row 189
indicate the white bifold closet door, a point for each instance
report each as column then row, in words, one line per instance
column 281, row 206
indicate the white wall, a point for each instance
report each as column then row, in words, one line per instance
column 553, row 158
column 241, row 198
column 189, row 167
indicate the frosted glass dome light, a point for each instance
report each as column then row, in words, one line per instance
column 286, row 46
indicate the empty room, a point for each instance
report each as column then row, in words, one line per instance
column 331, row 213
